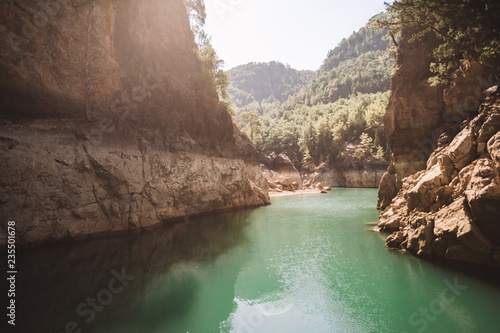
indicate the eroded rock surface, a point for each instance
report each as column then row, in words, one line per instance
column 451, row 210
column 110, row 122
column 56, row 186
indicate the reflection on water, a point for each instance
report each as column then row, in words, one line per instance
column 54, row 281
column 304, row 264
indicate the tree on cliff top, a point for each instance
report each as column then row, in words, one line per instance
column 211, row 63
column 469, row 30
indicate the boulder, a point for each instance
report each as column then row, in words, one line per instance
column 455, row 229
column 483, row 196
column 419, row 232
column 395, row 239
column 462, row 149
column 282, row 164
column 422, row 195
column 282, row 173
column 494, row 149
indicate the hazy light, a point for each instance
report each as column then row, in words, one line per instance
column 299, row 33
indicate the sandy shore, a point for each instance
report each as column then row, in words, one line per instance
column 289, row 193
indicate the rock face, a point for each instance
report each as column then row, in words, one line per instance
column 419, row 117
column 368, row 177
column 56, row 186
column 159, row 144
column 410, row 118
column 441, row 194
column 324, row 174
column 107, row 58
column 281, row 174
column 451, row 210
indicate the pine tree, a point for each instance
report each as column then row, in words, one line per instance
column 468, row 30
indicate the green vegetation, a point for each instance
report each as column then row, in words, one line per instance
column 320, row 133
column 262, row 87
column 360, row 64
column 469, row 30
column 212, row 74
column 311, row 117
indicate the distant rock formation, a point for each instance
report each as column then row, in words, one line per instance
column 367, row 177
column 281, row 174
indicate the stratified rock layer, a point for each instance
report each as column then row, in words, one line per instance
column 56, row 186
column 451, row 210
column 110, row 121
column 420, row 117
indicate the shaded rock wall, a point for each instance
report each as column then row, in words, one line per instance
column 158, row 146
column 56, row 187
column 113, row 56
column 411, row 117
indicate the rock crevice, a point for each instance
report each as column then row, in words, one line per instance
column 441, row 194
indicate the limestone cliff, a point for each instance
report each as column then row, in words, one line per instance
column 281, row 175
column 441, row 194
column 420, row 116
column 158, row 145
column 329, row 175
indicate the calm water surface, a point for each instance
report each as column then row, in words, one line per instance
column 304, row 264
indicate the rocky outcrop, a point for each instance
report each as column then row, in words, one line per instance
column 451, row 210
column 281, row 174
column 365, row 178
column 56, row 186
column 110, row 123
column 410, row 117
column 327, row 175
column 420, row 117
column 323, row 174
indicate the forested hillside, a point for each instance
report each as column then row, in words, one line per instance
column 261, row 87
column 343, row 102
column 359, row 64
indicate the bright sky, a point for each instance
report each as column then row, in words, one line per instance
column 294, row 32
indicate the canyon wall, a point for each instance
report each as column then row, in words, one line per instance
column 281, row 175
column 110, row 122
column 441, row 193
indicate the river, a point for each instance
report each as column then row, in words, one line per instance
column 304, row 264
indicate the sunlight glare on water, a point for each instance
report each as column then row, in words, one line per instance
column 304, row 264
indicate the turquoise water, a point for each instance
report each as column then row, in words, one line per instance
column 305, row 264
